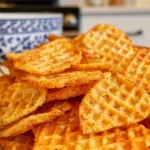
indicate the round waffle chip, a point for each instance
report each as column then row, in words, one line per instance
column 113, row 111
column 139, row 68
column 66, row 79
column 106, row 38
column 46, row 113
column 52, row 57
column 69, row 137
column 19, row 100
column 65, row 133
column 113, row 102
column 106, row 43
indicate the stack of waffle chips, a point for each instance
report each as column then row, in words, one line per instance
column 90, row 92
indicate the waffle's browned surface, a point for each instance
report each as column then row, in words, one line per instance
column 114, row 101
column 51, row 111
column 106, row 43
column 68, row 68
column 52, row 57
column 66, row 79
column 139, row 68
column 69, row 137
column 19, row 100
column 106, row 38
column 66, row 135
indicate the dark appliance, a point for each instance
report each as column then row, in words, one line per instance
column 71, row 26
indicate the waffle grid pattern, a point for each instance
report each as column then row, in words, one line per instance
column 108, row 44
column 52, row 57
column 68, row 136
column 139, row 68
column 32, row 120
column 19, row 100
column 113, row 102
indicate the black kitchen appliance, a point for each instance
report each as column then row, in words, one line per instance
column 29, row 2
column 71, row 26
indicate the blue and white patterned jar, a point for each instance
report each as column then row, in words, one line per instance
column 22, row 31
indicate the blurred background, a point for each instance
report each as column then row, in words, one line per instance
column 25, row 24
column 132, row 16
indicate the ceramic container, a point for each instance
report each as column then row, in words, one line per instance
column 22, row 31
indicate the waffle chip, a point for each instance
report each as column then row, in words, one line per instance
column 70, row 117
column 65, row 133
column 27, row 123
column 113, row 102
column 66, row 79
column 106, row 43
column 68, row 92
column 59, row 95
column 19, row 100
column 139, row 68
column 5, row 81
column 105, row 38
column 69, row 137
column 52, row 57
column 17, row 143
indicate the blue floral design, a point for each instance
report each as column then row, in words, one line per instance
column 29, row 25
column 23, row 34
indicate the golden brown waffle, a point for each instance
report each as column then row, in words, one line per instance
column 17, row 143
column 113, row 102
column 66, row 79
column 68, row 92
column 106, row 38
column 5, row 81
column 70, row 117
column 19, row 100
column 46, row 113
column 106, row 43
column 113, row 111
column 139, row 68
column 69, row 137
column 65, row 134
column 52, row 57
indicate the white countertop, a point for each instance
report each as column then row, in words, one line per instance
column 114, row 10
